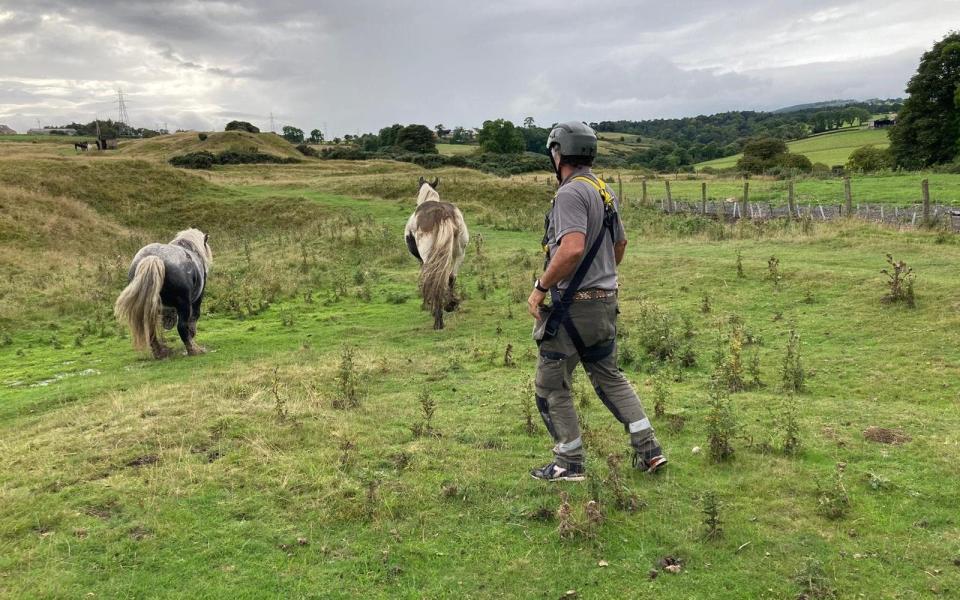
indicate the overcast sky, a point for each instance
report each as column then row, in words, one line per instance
column 357, row 65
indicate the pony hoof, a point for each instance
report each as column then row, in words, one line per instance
column 194, row 351
column 162, row 352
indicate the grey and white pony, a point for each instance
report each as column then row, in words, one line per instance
column 168, row 278
column 437, row 236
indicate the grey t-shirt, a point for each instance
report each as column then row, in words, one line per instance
column 579, row 207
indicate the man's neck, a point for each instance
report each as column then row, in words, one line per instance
column 566, row 171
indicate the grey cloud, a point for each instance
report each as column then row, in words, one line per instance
column 364, row 64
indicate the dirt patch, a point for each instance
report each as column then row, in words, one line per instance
column 103, row 511
column 883, row 435
column 138, row 533
column 142, row 461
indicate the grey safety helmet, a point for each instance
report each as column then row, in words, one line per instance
column 572, row 138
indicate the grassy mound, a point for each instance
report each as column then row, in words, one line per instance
column 833, row 148
column 165, row 147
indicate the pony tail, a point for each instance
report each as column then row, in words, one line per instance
column 138, row 305
column 436, row 271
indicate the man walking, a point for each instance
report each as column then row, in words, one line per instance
column 584, row 242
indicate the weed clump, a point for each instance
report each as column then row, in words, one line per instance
column 349, row 388
column 787, row 428
column 792, row 374
column 832, row 499
column 813, row 582
column 900, row 283
column 721, row 424
column 773, row 271
column 428, row 406
column 661, row 394
column 664, row 338
column 713, row 526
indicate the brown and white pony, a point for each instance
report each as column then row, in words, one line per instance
column 437, row 236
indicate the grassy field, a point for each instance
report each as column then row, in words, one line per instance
column 166, row 146
column 233, row 474
column 901, row 189
column 832, row 148
column 454, row 149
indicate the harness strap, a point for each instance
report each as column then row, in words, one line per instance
column 561, row 303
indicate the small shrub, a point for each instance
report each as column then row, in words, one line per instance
column 721, row 424
column 307, row 150
column 349, row 388
column 705, row 305
column 792, row 375
column 428, row 406
column 730, row 373
column 787, row 428
column 773, row 271
column 900, row 282
column 508, row 356
column 241, row 126
column 279, row 402
column 661, row 394
column 202, row 136
column 526, row 412
column 753, row 369
column 740, row 272
column 713, row 526
column 813, row 582
column 623, row 497
column 832, row 499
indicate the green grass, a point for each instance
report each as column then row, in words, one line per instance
column 833, row 148
column 127, row 477
column 455, row 149
column 901, row 189
column 46, row 139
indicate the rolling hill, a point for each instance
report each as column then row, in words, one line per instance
column 833, row 148
column 167, row 146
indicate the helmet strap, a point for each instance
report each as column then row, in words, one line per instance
column 555, row 160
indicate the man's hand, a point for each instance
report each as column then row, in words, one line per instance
column 534, row 302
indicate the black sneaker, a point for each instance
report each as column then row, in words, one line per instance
column 650, row 461
column 554, row 472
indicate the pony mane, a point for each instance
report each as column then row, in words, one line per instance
column 198, row 240
column 427, row 194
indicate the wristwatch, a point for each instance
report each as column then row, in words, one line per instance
column 540, row 288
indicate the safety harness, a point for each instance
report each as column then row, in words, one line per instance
column 560, row 303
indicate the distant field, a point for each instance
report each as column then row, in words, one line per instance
column 829, row 148
column 454, row 149
column 888, row 189
column 47, row 139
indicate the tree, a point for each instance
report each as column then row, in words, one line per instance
column 761, row 154
column 316, row 136
column 928, row 125
column 388, row 135
column 417, row 138
column 292, row 134
column 535, row 139
column 528, row 122
column 500, row 137
column 868, row 159
column 241, row 126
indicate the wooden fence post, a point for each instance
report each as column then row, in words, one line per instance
column 620, row 190
column 790, row 201
column 745, row 199
column 848, row 196
column 669, row 197
column 643, row 191
column 703, row 198
column 925, row 188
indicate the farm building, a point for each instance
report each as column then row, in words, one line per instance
column 4, row 130
column 52, row 131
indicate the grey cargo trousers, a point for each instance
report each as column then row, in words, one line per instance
column 596, row 322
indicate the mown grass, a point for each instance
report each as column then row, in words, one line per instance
column 833, row 148
column 900, row 189
column 123, row 476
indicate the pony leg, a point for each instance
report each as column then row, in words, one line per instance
column 183, row 328
column 452, row 302
column 438, row 319
column 192, row 325
column 159, row 349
